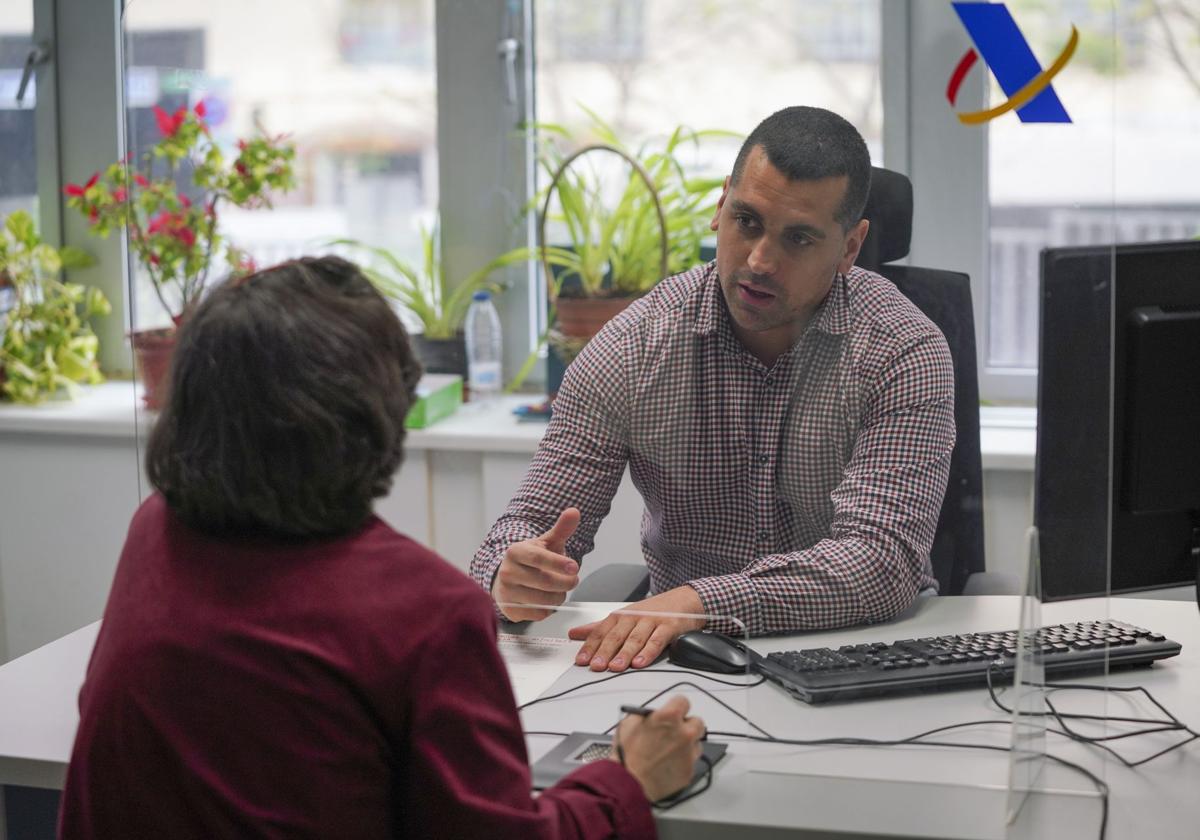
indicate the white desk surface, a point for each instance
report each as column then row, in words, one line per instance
column 765, row 790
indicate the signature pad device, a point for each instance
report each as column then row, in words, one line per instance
column 704, row 650
column 580, row 748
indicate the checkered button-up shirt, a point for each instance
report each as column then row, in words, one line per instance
column 799, row 496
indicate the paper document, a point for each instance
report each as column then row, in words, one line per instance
column 535, row 662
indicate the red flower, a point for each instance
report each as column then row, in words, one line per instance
column 241, row 168
column 185, row 201
column 200, row 110
column 93, row 215
column 168, row 125
column 119, row 194
column 140, row 180
column 173, row 225
column 76, row 190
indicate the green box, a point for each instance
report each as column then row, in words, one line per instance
column 438, row 396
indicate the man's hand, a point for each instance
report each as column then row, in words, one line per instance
column 622, row 640
column 537, row 571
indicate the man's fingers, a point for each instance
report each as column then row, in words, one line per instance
column 538, row 576
column 662, row 636
column 524, row 613
column 611, row 643
column 556, row 538
column 581, row 632
column 633, row 644
column 596, row 632
column 528, row 595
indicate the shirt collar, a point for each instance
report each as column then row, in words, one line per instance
column 832, row 316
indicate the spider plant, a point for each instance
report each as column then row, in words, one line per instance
column 613, row 247
column 425, row 291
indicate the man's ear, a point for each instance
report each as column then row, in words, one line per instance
column 854, row 243
column 720, row 203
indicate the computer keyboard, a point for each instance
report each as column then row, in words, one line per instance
column 821, row 674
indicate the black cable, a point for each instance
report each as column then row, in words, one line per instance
column 631, row 671
column 1172, row 724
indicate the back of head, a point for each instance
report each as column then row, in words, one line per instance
column 287, row 398
column 808, row 144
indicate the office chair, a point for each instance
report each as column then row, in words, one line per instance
column 957, row 555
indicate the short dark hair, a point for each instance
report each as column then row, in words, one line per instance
column 807, row 144
column 286, row 402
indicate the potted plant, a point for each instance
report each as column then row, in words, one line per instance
column 175, row 236
column 46, row 343
column 426, row 295
column 613, row 250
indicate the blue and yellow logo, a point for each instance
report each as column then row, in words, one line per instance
column 1007, row 53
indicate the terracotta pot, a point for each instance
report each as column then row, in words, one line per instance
column 583, row 317
column 153, row 350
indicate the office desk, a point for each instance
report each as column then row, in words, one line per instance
column 765, row 790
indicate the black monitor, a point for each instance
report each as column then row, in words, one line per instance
column 1119, row 385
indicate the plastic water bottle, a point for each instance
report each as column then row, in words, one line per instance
column 484, row 347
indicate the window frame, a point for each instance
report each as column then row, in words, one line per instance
column 81, row 130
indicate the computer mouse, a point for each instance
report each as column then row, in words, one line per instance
column 704, row 650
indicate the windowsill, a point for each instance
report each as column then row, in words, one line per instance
column 1007, row 436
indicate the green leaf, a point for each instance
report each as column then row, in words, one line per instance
column 20, row 225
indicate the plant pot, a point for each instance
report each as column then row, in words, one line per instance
column 153, row 350
column 442, row 355
column 584, row 317
column 577, row 321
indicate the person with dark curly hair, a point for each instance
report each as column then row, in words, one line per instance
column 274, row 659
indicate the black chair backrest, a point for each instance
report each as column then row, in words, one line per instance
column 945, row 298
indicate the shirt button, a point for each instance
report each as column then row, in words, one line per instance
column 763, row 536
column 764, row 459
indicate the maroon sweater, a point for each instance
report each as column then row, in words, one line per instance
column 348, row 687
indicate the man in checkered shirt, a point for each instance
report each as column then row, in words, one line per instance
column 787, row 417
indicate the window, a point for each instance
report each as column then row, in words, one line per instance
column 710, row 65
column 18, row 165
column 837, row 30
column 364, row 128
column 713, row 65
column 396, row 32
column 608, row 31
column 1124, row 170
